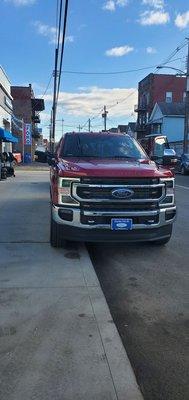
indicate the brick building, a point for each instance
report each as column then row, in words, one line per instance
column 26, row 108
column 156, row 88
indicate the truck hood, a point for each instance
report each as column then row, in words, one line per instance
column 78, row 167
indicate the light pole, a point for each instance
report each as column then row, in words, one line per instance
column 104, row 116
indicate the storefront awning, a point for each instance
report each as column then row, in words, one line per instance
column 7, row 136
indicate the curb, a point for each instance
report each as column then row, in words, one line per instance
column 121, row 372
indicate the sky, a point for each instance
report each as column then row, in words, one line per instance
column 102, row 36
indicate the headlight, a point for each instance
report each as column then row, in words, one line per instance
column 169, row 192
column 64, row 192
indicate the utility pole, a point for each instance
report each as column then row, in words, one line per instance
column 186, row 123
column 50, row 132
column 62, row 126
column 23, row 128
column 104, row 116
column 79, row 127
column 54, row 101
column 89, row 125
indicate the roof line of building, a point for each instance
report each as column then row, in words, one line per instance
column 5, row 73
column 5, row 91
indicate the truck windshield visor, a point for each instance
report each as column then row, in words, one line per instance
column 102, row 146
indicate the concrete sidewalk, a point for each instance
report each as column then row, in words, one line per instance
column 57, row 337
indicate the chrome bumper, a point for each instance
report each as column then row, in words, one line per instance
column 115, row 214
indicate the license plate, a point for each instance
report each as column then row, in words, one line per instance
column 119, row 224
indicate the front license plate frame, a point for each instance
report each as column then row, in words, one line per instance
column 121, row 224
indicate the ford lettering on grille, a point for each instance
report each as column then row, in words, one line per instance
column 122, row 193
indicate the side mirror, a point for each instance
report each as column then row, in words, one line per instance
column 169, row 158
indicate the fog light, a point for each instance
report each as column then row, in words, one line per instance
column 66, row 215
column 170, row 214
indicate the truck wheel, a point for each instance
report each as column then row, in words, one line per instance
column 56, row 239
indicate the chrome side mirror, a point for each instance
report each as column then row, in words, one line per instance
column 169, row 158
column 169, row 153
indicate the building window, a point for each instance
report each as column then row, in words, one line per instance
column 184, row 96
column 169, row 96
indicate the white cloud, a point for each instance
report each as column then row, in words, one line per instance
column 151, row 50
column 69, row 39
column 159, row 4
column 21, row 2
column 154, row 18
column 45, row 117
column 119, row 51
column 122, row 3
column 111, row 5
column 182, row 20
column 45, row 30
column 50, row 33
column 83, row 102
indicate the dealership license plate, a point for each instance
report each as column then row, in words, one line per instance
column 121, row 224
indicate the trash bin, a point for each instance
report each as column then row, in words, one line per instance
column 27, row 158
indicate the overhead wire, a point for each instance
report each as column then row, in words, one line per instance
column 114, row 72
column 59, row 22
column 57, row 10
column 47, row 87
column 62, row 46
column 178, row 48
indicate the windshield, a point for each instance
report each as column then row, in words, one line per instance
column 102, row 146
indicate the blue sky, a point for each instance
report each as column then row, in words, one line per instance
column 102, row 36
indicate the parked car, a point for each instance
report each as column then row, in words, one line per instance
column 183, row 164
column 104, row 187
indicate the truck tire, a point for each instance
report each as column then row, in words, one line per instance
column 56, row 239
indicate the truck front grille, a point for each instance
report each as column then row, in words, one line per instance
column 105, row 193
column 102, row 191
column 119, row 206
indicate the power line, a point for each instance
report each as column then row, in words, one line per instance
column 59, row 24
column 114, row 72
column 62, row 47
column 47, row 87
column 132, row 93
column 57, row 9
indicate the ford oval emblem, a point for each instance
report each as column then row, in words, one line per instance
column 122, row 193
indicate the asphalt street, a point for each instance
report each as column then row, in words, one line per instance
column 147, row 290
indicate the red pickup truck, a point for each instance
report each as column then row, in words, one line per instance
column 105, row 188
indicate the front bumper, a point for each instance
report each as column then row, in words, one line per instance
column 75, row 230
